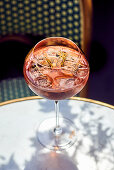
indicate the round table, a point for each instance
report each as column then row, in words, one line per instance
column 20, row 149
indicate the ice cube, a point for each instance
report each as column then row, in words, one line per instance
column 82, row 72
column 67, row 83
column 70, row 83
column 42, row 82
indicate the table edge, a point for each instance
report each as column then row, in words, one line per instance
column 72, row 98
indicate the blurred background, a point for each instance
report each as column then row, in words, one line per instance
column 101, row 82
column 101, row 59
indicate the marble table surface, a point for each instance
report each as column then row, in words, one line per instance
column 20, row 149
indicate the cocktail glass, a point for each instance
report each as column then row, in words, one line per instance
column 56, row 69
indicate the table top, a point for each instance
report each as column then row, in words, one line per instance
column 20, row 149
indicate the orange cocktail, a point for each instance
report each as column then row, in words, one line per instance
column 56, row 72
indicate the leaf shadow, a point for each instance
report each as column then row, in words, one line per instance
column 100, row 147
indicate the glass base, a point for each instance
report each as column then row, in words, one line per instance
column 64, row 137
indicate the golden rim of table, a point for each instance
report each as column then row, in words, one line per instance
column 72, row 98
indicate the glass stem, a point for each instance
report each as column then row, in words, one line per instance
column 58, row 129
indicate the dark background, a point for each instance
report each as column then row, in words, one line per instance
column 101, row 82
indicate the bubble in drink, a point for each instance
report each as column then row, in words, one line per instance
column 56, row 72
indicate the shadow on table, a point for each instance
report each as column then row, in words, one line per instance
column 48, row 106
column 99, row 148
column 42, row 159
